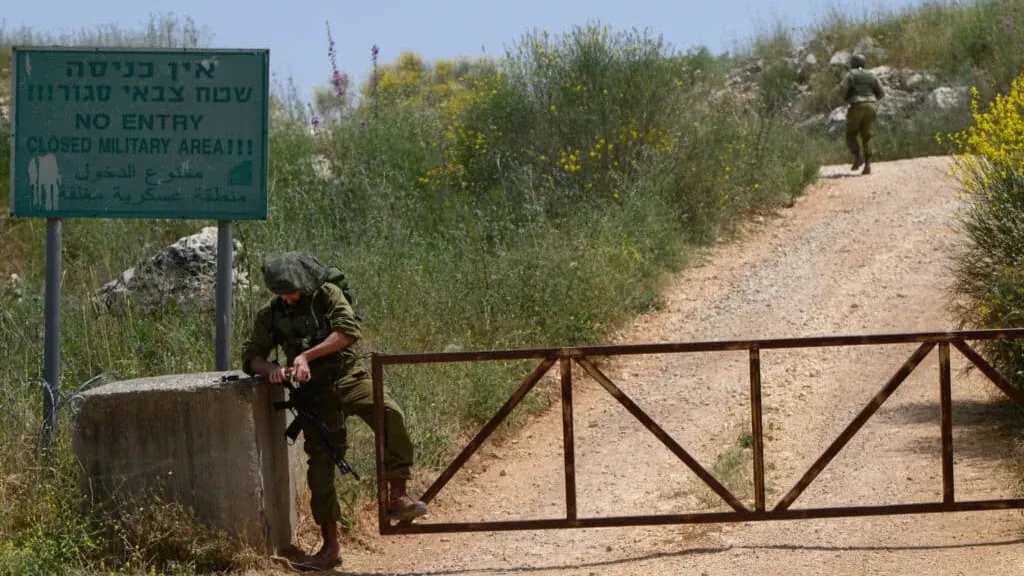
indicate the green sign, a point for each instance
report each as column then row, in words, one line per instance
column 140, row 134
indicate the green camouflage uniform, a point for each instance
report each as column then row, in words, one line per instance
column 862, row 90
column 338, row 386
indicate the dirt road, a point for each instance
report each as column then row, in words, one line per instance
column 856, row 255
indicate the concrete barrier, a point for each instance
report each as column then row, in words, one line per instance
column 217, row 447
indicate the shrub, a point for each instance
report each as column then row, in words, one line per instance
column 989, row 270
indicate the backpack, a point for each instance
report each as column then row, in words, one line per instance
column 337, row 277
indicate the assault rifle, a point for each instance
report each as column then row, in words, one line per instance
column 303, row 416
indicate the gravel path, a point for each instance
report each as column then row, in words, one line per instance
column 856, row 255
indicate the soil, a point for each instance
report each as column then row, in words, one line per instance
column 855, row 255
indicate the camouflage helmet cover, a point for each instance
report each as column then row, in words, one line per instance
column 293, row 272
column 858, row 61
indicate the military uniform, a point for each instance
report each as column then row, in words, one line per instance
column 338, row 386
column 861, row 90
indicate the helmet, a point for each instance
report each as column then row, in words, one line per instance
column 858, row 61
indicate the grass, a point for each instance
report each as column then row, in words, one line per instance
column 536, row 199
column 733, row 468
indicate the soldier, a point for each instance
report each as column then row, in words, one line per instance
column 861, row 90
column 314, row 324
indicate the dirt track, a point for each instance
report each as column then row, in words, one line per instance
column 856, row 255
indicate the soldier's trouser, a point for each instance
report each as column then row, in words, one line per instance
column 350, row 395
column 860, row 121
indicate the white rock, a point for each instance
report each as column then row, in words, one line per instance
column 916, row 81
column 840, row 59
column 946, row 98
column 184, row 272
column 837, row 120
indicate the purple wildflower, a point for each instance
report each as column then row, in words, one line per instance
column 338, row 78
column 314, row 120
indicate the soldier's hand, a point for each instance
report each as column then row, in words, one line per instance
column 277, row 375
column 300, row 369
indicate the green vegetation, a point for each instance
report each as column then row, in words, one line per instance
column 989, row 280
column 531, row 200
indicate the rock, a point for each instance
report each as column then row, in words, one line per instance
column 870, row 48
column 12, row 288
column 918, row 81
column 183, row 273
column 321, row 166
column 897, row 103
column 947, row 98
column 4, row 110
column 886, row 75
column 804, row 67
column 837, row 121
column 840, row 59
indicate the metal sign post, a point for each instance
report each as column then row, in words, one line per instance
column 225, row 265
column 51, row 337
column 146, row 134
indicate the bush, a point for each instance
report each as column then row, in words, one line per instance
column 989, row 270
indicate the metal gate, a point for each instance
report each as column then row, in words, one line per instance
column 565, row 357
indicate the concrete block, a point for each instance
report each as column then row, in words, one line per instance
column 216, row 447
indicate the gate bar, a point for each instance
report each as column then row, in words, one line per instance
column 568, row 449
column 707, row 346
column 757, row 427
column 703, row 517
column 946, row 401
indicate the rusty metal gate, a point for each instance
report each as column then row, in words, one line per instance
column 565, row 357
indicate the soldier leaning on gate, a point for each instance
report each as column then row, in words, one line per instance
column 314, row 324
column 861, row 90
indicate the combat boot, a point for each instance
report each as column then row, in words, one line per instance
column 402, row 507
column 867, row 166
column 329, row 555
column 857, row 163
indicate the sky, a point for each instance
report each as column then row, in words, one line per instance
column 295, row 30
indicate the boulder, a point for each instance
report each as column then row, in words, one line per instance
column 870, row 48
column 840, row 59
column 947, row 98
column 12, row 288
column 897, row 103
column 886, row 75
column 918, row 81
column 836, row 123
column 184, row 274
